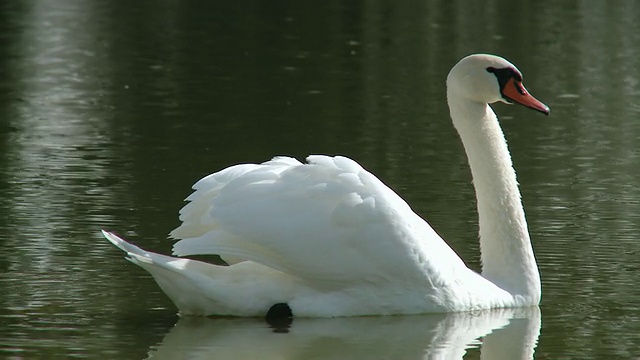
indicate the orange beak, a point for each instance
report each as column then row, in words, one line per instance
column 515, row 91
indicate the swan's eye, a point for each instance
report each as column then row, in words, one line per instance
column 504, row 75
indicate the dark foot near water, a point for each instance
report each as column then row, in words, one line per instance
column 280, row 317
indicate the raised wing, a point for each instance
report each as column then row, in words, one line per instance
column 328, row 222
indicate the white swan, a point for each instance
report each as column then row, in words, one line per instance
column 328, row 238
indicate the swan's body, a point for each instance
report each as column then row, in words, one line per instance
column 330, row 239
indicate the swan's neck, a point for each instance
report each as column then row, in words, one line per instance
column 507, row 256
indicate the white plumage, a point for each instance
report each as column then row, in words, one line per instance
column 330, row 239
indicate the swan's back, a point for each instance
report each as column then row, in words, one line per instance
column 328, row 222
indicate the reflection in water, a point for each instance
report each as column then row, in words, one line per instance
column 499, row 334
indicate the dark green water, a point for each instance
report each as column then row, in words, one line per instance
column 110, row 111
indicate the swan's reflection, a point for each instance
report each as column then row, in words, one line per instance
column 501, row 334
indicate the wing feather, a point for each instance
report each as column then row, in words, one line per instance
column 328, row 221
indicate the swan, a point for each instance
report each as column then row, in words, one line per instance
column 327, row 238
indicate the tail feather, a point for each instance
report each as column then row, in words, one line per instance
column 180, row 279
column 121, row 244
column 199, row 288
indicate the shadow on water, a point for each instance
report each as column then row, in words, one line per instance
column 498, row 335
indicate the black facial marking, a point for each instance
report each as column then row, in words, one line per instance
column 504, row 75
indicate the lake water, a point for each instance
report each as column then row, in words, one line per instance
column 110, row 111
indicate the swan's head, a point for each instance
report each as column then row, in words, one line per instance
column 487, row 79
